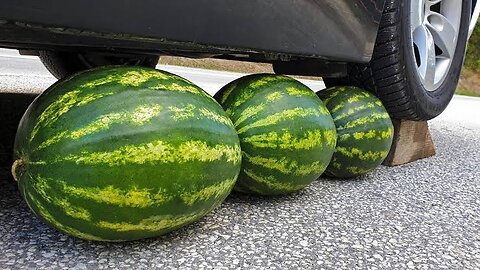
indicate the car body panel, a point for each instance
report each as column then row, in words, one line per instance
column 343, row 30
column 475, row 14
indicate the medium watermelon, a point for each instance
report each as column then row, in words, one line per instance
column 124, row 153
column 364, row 129
column 286, row 134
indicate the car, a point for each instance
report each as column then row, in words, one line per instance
column 408, row 52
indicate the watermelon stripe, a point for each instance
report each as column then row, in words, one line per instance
column 335, row 163
column 368, row 135
column 154, row 223
column 285, row 140
column 268, row 79
column 190, row 112
column 330, row 137
column 73, row 211
column 212, row 191
column 294, row 91
column 128, row 78
column 357, row 171
column 42, row 187
column 137, row 117
column 136, row 78
column 271, row 183
column 84, row 100
column 45, row 214
column 248, row 113
column 159, row 151
column 357, row 97
column 61, row 106
column 357, row 153
column 174, row 86
column 131, row 78
column 364, row 120
column 55, row 110
column 52, row 140
column 289, row 114
column 354, row 110
column 251, row 88
column 228, row 90
column 286, row 166
column 216, row 117
column 246, row 95
column 182, row 113
column 330, row 94
column 254, row 110
column 351, row 101
column 309, row 140
column 251, row 110
column 133, row 197
column 354, row 170
column 275, row 96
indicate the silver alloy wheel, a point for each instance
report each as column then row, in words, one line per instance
column 434, row 26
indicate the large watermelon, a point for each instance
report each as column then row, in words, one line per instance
column 364, row 129
column 286, row 133
column 124, row 153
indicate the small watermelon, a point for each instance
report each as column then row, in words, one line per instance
column 286, row 134
column 364, row 128
column 123, row 153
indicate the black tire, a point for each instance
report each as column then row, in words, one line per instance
column 392, row 74
column 62, row 64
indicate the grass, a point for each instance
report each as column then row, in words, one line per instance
column 466, row 92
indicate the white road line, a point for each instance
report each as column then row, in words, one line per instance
column 30, row 57
column 198, row 71
column 9, row 74
column 459, row 97
column 216, row 74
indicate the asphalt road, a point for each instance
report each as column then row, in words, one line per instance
column 424, row 215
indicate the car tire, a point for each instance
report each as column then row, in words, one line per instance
column 62, row 64
column 396, row 73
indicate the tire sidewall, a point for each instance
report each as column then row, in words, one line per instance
column 432, row 103
column 62, row 64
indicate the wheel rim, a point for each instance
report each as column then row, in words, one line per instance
column 434, row 26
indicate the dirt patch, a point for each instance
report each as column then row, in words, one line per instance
column 469, row 83
column 224, row 65
column 217, row 64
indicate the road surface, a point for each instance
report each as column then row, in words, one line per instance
column 424, row 215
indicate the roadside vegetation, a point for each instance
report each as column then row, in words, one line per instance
column 469, row 84
column 470, row 79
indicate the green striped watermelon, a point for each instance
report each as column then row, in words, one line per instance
column 124, row 153
column 286, row 133
column 364, row 128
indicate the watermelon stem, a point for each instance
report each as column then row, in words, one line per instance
column 17, row 168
